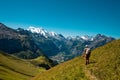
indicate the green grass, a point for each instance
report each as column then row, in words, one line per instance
column 104, row 65
column 12, row 68
column 105, row 61
column 70, row 70
column 42, row 60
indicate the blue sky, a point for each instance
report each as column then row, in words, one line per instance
column 68, row 17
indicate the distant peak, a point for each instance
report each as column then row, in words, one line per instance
column 32, row 27
column 36, row 30
column 86, row 37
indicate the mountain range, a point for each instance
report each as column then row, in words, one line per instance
column 16, row 43
column 65, row 48
column 34, row 42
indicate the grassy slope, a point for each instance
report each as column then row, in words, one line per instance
column 12, row 68
column 105, row 61
column 104, row 65
column 41, row 60
column 70, row 70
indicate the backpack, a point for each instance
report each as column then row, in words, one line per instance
column 87, row 51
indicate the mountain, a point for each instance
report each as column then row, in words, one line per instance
column 99, row 40
column 21, row 44
column 45, row 44
column 13, row 68
column 104, row 65
column 44, row 33
column 8, row 33
column 60, row 49
column 87, row 38
column 72, row 47
column 46, row 40
column 18, row 43
column 38, row 30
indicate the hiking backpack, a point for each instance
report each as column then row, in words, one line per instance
column 87, row 51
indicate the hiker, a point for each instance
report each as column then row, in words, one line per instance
column 86, row 54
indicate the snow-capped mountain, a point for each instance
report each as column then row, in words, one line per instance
column 46, row 34
column 81, row 38
column 18, row 42
column 38, row 31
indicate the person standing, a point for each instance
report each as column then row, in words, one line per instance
column 86, row 54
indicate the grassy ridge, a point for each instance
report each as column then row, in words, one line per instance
column 104, row 65
column 105, row 61
column 70, row 70
column 12, row 68
column 42, row 61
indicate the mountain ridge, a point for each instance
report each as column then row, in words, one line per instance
column 47, row 34
column 21, row 45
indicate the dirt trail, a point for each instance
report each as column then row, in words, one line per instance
column 89, row 74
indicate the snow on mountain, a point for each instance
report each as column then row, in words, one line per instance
column 69, row 38
column 45, row 33
column 52, row 33
column 86, row 37
column 38, row 30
